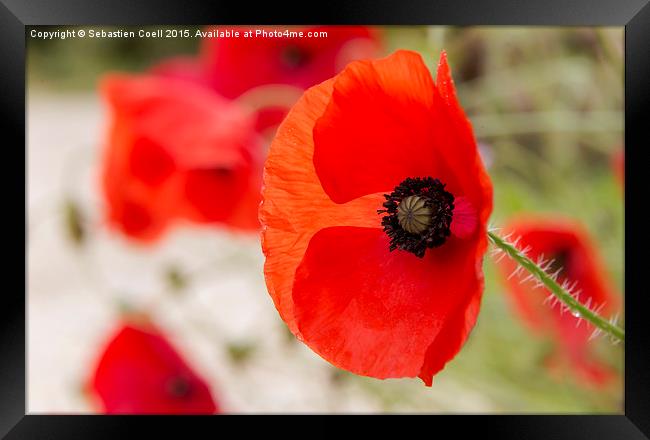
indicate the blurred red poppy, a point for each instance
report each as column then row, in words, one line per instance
column 576, row 258
column 378, row 159
column 235, row 65
column 139, row 372
column 175, row 150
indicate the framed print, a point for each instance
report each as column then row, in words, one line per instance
column 421, row 209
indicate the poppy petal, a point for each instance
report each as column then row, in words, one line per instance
column 140, row 195
column 452, row 336
column 211, row 193
column 294, row 205
column 465, row 219
column 462, row 155
column 395, row 94
column 149, row 162
column 223, row 195
column 375, row 312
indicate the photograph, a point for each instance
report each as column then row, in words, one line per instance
column 330, row 219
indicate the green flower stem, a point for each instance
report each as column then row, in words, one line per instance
column 576, row 308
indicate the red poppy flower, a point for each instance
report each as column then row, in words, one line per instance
column 177, row 151
column 233, row 66
column 139, row 372
column 374, row 219
column 574, row 255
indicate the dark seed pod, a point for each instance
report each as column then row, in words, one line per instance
column 414, row 215
column 418, row 215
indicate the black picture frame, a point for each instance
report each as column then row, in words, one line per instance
column 15, row 15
